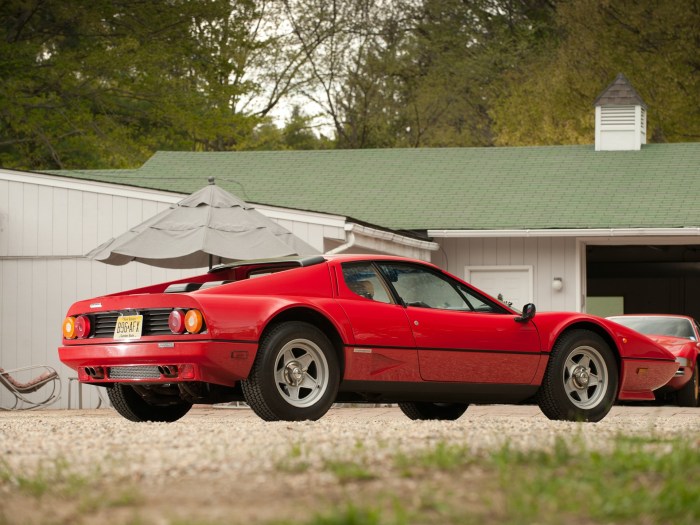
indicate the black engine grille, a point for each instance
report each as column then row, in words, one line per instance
column 155, row 322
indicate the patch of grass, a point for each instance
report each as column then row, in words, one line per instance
column 354, row 515
column 294, row 462
column 657, row 481
column 55, row 479
column 347, row 471
column 442, row 457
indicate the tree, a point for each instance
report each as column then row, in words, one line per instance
column 655, row 44
column 104, row 84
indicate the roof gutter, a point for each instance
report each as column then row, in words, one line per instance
column 574, row 232
column 357, row 230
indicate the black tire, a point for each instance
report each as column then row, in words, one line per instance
column 441, row 411
column 133, row 407
column 580, row 383
column 688, row 395
column 295, row 375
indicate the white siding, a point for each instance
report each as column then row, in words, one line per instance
column 549, row 257
column 45, row 230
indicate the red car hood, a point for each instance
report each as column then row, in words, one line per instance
column 675, row 345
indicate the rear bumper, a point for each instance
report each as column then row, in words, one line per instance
column 640, row 377
column 220, row 362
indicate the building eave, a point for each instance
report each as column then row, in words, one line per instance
column 687, row 231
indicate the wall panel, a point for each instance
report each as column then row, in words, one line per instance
column 549, row 258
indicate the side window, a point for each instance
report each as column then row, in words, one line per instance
column 363, row 280
column 420, row 287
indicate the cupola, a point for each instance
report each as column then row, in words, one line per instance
column 620, row 118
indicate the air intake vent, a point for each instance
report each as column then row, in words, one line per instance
column 133, row 372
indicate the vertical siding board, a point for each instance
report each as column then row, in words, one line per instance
column 134, row 213
column 39, row 313
column 104, row 218
column 59, row 240
column 503, row 252
column 544, row 282
column 90, row 219
column 30, row 219
column 14, row 219
column 559, row 270
column 4, row 218
column 120, row 223
column 517, row 251
column 24, row 311
column 316, row 237
column 46, row 224
column 75, row 220
column 8, row 334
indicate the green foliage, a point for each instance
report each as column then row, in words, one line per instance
column 104, row 84
column 655, row 44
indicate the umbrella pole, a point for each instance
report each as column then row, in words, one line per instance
column 211, row 258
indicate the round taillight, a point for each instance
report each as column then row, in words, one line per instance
column 82, row 326
column 194, row 321
column 176, row 321
column 69, row 327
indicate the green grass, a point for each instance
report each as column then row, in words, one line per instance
column 54, row 478
column 633, row 480
column 658, row 481
column 443, row 456
column 347, row 471
column 637, row 480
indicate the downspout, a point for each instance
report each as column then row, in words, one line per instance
column 343, row 247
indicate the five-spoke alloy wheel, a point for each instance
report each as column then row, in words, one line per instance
column 295, row 375
column 581, row 379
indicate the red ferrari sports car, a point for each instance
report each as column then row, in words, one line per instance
column 681, row 336
column 293, row 336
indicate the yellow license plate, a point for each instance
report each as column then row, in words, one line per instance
column 128, row 327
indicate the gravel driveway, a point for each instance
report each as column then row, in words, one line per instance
column 216, row 458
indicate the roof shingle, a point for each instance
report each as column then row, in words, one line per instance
column 450, row 188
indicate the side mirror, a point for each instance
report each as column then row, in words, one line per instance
column 529, row 311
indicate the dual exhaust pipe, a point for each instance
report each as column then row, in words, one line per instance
column 168, row 370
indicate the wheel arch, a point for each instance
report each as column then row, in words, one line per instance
column 314, row 318
column 596, row 329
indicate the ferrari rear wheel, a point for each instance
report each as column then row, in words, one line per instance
column 688, row 395
column 295, row 375
column 129, row 404
column 441, row 411
column 580, row 383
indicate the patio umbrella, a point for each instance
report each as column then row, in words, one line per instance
column 211, row 225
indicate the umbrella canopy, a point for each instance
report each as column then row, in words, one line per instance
column 210, row 223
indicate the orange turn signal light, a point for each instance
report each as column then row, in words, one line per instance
column 69, row 328
column 194, row 321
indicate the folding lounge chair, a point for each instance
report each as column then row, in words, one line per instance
column 41, row 391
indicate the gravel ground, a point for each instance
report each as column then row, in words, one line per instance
column 213, row 448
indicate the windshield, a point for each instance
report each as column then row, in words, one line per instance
column 671, row 326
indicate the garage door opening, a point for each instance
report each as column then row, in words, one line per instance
column 643, row 279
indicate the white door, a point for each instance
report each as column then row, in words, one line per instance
column 512, row 285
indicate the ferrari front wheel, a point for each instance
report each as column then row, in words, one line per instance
column 580, row 383
column 439, row 411
column 295, row 375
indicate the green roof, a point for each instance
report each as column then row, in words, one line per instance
column 450, row 188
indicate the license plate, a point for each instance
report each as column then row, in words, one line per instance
column 128, row 327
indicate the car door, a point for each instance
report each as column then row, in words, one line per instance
column 384, row 348
column 460, row 334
